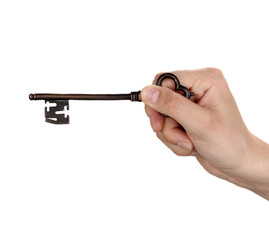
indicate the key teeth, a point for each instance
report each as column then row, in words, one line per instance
column 61, row 120
column 52, row 113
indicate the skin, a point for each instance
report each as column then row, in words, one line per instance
column 215, row 131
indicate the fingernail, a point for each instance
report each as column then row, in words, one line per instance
column 151, row 94
column 185, row 145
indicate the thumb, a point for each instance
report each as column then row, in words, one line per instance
column 187, row 113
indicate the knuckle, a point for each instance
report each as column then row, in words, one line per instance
column 213, row 70
column 214, row 73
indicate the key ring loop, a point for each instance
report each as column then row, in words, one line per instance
column 178, row 86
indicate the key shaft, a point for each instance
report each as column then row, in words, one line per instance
column 133, row 96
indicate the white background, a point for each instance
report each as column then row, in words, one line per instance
column 106, row 175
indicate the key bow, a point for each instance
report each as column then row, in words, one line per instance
column 178, row 86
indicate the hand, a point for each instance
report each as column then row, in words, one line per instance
column 215, row 131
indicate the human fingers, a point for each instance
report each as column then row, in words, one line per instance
column 198, row 81
column 156, row 120
column 177, row 149
column 170, row 129
column 181, row 109
column 172, row 133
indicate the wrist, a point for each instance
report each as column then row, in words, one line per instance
column 256, row 167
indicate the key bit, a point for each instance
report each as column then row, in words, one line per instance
column 55, row 115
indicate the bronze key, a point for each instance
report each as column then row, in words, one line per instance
column 53, row 114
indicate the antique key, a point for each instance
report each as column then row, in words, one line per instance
column 55, row 115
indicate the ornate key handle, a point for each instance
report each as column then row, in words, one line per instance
column 178, row 86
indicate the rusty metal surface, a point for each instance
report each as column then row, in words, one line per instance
column 178, row 86
column 53, row 114
column 57, row 114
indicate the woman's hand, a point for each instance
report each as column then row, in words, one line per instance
column 215, row 131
